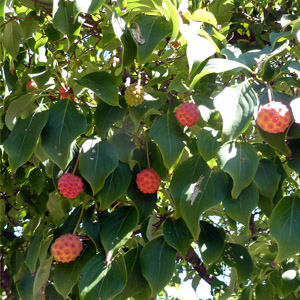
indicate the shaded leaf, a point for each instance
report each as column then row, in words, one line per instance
column 240, row 160
column 158, row 263
column 211, row 242
column 103, row 85
column 23, row 139
column 177, row 235
column 284, row 226
column 101, row 280
column 166, row 132
column 12, row 37
column 97, row 155
column 33, row 252
column 65, row 124
column 124, row 145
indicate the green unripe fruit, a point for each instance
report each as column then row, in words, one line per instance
column 134, row 94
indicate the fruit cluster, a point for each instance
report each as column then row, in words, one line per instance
column 67, row 248
column 148, row 181
column 134, row 94
column 187, row 114
column 273, row 117
column 69, row 185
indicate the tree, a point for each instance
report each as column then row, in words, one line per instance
column 95, row 89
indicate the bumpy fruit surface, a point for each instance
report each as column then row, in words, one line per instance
column 65, row 93
column 66, row 248
column 148, row 181
column 134, row 94
column 31, row 84
column 187, row 114
column 273, row 117
column 69, row 185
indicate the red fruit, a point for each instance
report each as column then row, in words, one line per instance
column 273, row 117
column 69, row 185
column 31, row 84
column 175, row 44
column 67, row 248
column 65, row 92
column 148, row 181
column 187, row 114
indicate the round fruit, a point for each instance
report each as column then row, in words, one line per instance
column 134, row 94
column 187, row 114
column 67, row 248
column 65, row 93
column 274, row 117
column 69, row 185
column 148, row 181
column 31, row 84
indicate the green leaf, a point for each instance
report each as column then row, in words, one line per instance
column 284, row 226
column 201, row 195
column 211, row 242
column 267, row 178
column 171, row 9
column 103, row 85
column 247, row 293
column 240, row 209
column 222, row 10
column 158, row 263
column 145, row 203
column 194, row 43
column 23, row 139
column 55, row 208
column 20, row 107
column 177, row 235
column 124, row 35
column 118, row 227
column 12, row 37
column 115, row 186
column 294, row 162
column 135, row 279
column 91, row 228
column 100, row 280
column 105, row 116
column 262, row 292
column 275, row 140
column 33, row 252
column 152, row 29
column 97, row 155
column 124, row 145
column 217, row 65
column 202, row 15
column 166, row 132
column 237, row 256
column 236, row 105
column 64, row 20
column 208, row 142
column 88, row 6
column 240, row 160
column 66, row 275
column 25, row 286
column 37, row 180
column 186, row 174
column 65, row 124
column 289, row 282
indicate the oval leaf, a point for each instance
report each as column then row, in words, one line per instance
column 118, row 227
column 284, row 226
column 23, row 139
column 168, row 135
column 201, row 195
column 65, row 124
column 236, row 105
column 97, row 160
column 177, row 235
column 240, row 160
column 115, row 186
column 103, row 85
column 158, row 263
column 237, row 256
column 12, row 37
column 267, row 178
column 211, row 242
column 240, row 209
column 100, row 280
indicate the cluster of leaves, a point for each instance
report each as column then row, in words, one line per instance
column 229, row 192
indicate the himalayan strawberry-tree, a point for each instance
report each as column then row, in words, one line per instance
column 145, row 143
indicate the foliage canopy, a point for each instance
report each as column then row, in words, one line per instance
column 229, row 197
